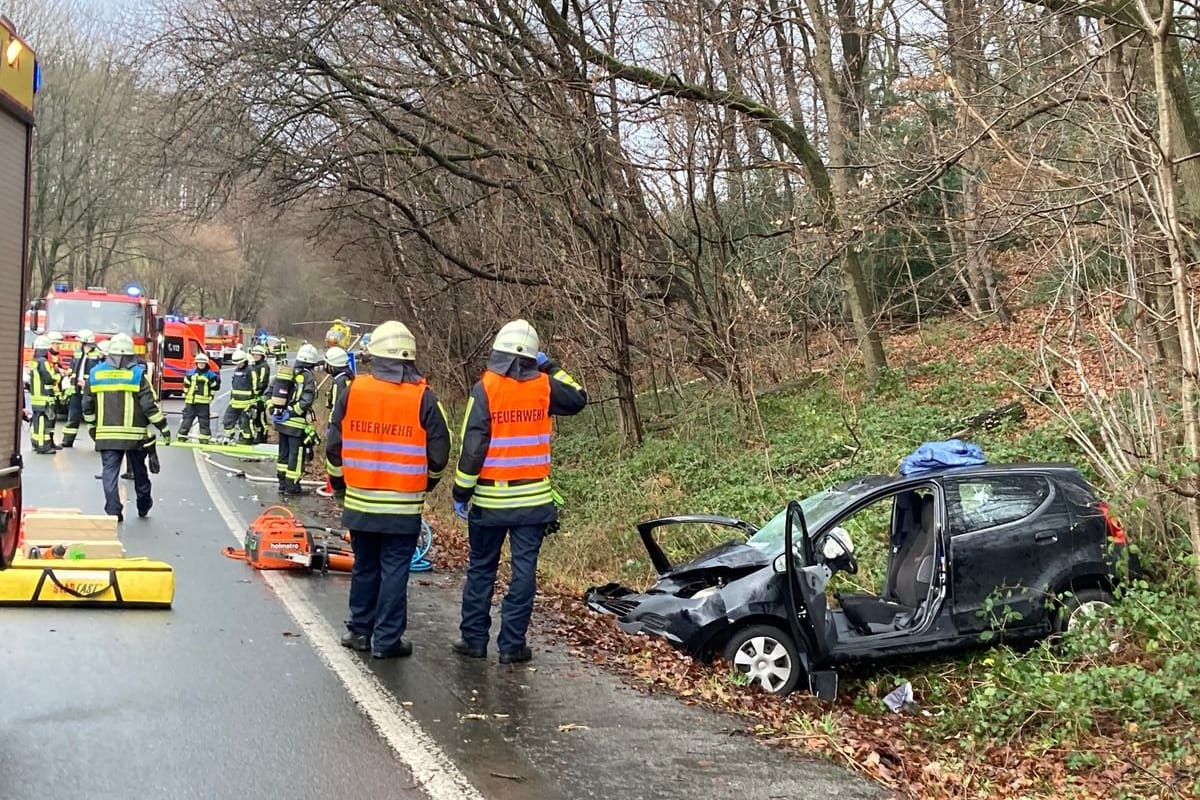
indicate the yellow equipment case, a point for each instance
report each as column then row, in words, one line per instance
column 102, row 582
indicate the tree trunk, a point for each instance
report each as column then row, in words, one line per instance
column 1165, row 56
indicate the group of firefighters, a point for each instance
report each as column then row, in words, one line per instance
column 388, row 444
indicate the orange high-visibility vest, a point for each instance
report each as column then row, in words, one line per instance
column 383, row 443
column 521, row 428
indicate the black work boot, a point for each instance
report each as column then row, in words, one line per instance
column 294, row 489
column 401, row 650
column 517, row 656
column 356, row 641
column 469, row 650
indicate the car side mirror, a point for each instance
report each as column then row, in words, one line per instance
column 35, row 308
column 780, row 564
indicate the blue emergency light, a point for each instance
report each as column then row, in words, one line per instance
column 133, row 290
column 61, row 287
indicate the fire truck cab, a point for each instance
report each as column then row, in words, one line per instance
column 67, row 311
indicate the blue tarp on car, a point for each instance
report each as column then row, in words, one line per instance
column 941, row 455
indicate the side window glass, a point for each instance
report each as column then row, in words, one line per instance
column 173, row 347
column 978, row 503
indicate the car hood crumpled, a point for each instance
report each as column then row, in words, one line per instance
column 729, row 556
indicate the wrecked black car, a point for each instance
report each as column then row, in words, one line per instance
column 975, row 555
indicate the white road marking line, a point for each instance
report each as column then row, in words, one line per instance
column 433, row 771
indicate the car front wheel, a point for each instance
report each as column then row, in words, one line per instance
column 767, row 656
column 1082, row 607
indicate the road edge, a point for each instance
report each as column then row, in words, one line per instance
column 433, row 771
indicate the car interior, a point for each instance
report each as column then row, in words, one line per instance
column 911, row 567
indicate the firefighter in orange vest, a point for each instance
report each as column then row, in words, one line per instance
column 504, row 473
column 387, row 445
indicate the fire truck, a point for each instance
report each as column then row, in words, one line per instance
column 221, row 337
column 18, row 84
column 105, row 313
column 231, row 338
column 213, row 337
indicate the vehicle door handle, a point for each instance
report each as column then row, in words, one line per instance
column 1045, row 536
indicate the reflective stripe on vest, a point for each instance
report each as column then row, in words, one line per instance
column 521, row 426
column 501, row 495
column 105, row 378
column 383, row 447
column 382, row 501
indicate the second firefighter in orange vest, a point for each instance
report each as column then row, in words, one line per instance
column 504, row 473
column 387, row 446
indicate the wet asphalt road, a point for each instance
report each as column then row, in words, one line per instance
column 212, row 700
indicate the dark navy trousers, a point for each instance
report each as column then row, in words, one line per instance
column 486, row 540
column 111, row 478
column 379, row 586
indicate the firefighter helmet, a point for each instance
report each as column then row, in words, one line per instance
column 42, row 343
column 201, row 358
column 85, row 336
column 120, row 345
column 517, row 338
column 239, row 356
column 103, row 347
column 337, row 358
column 307, row 354
column 258, row 350
column 393, row 339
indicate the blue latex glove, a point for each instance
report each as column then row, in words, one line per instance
column 460, row 508
column 542, row 358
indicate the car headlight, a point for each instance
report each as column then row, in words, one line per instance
column 708, row 591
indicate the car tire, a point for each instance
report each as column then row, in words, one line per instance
column 1080, row 605
column 767, row 656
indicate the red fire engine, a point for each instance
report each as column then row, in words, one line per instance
column 104, row 313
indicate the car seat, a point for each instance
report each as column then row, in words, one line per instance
column 912, row 573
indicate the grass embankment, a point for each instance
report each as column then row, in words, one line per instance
column 1107, row 714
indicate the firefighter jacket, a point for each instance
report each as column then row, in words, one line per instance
column 200, row 386
column 389, row 443
column 120, row 404
column 81, row 367
column 241, row 388
column 504, row 467
column 262, row 378
column 43, row 384
column 338, row 384
column 304, row 392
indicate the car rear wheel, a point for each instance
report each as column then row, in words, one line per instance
column 1081, row 608
column 767, row 656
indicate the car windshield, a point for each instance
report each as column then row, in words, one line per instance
column 819, row 509
column 101, row 316
column 212, row 329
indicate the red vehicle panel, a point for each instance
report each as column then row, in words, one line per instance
column 180, row 346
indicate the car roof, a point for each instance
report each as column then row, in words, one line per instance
column 869, row 483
